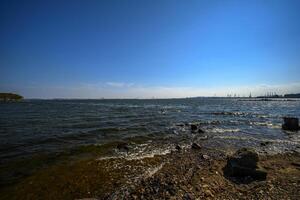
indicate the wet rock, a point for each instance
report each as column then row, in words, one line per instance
column 188, row 196
column 162, row 111
column 123, row 146
column 196, row 146
column 180, row 125
column 290, row 124
column 244, row 164
column 178, row 147
column 265, row 143
column 200, row 130
column 194, row 127
column 203, row 138
column 245, row 157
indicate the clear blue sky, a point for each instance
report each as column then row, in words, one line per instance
column 143, row 48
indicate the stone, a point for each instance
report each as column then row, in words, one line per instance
column 196, row 146
column 194, row 127
column 180, row 124
column 265, row 143
column 208, row 193
column 178, row 148
column 188, row 196
column 200, row 130
column 203, row 138
column 245, row 157
column 290, row 124
column 240, row 171
column 244, row 164
column 123, row 147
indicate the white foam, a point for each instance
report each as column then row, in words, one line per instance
column 221, row 130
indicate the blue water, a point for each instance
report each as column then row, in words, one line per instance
column 46, row 126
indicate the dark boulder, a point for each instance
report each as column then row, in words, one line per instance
column 244, row 164
column 200, row 130
column 194, row 127
column 245, row 157
column 290, row 124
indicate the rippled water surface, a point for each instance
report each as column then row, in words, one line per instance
column 45, row 126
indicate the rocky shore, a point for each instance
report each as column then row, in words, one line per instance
column 185, row 173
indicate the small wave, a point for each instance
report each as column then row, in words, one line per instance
column 273, row 141
column 221, row 130
column 136, row 156
column 242, row 114
column 230, row 113
column 141, row 155
column 141, row 151
column 267, row 124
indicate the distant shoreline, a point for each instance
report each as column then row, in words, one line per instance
column 237, row 98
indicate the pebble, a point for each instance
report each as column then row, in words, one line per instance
column 208, row 193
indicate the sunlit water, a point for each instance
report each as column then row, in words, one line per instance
column 48, row 126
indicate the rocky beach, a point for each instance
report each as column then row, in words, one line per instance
column 166, row 149
column 185, row 173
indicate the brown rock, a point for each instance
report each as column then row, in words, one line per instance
column 244, row 164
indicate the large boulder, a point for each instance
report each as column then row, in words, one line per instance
column 245, row 157
column 290, row 124
column 244, row 164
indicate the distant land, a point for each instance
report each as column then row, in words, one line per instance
column 5, row 97
column 297, row 95
column 10, row 97
column 292, row 95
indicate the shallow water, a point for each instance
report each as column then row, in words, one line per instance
column 48, row 126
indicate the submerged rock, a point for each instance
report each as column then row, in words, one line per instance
column 290, row 124
column 244, row 164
